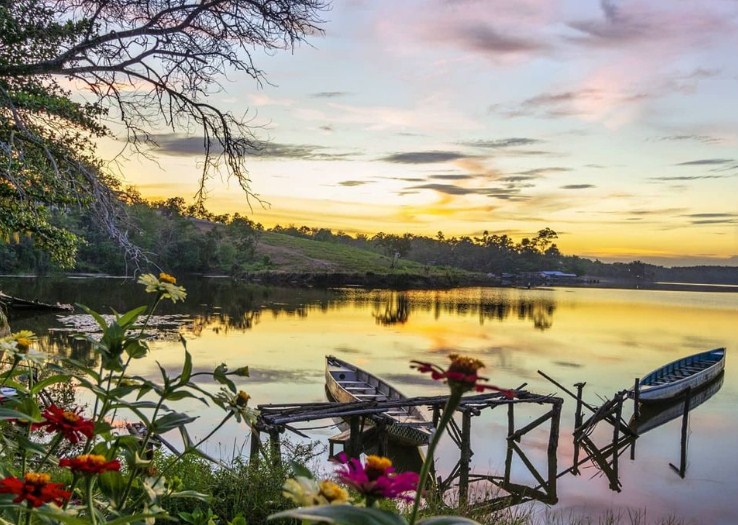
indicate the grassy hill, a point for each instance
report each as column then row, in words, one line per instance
column 296, row 260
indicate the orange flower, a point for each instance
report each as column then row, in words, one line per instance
column 35, row 489
column 90, row 464
column 166, row 278
column 71, row 424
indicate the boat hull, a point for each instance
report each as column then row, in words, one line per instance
column 346, row 383
column 673, row 379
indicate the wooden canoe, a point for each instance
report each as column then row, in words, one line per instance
column 347, row 383
column 675, row 378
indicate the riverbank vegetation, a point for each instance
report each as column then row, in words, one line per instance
column 188, row 239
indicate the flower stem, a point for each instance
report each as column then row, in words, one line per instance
column 90, row 505
column 448, row 414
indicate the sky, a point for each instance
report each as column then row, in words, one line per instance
column 614, row 123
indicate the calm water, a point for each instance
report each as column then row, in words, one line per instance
column 603, row 337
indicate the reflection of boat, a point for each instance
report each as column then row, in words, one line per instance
column 688, row 372
column 652, row 416
column 347, row 383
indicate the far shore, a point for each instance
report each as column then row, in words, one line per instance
column 410, row 281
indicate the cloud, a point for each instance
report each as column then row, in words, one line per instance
column 704, row 139
column 585, row 102
column 423, row 157
column 177, row 145
column 453, row 176
column 484, row 38
column 512, row 142
column 688, row 177
column 352, row 183
column 535, row 172
column 705, row 162
column 577, row 186
column 712, row 218
column 330, row 94
column 450, row 189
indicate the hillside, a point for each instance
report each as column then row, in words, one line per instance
column 289, row 259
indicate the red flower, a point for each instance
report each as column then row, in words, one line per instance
column 71, row 424
column 35, row 489
column 376, row 478
column 461, row 375
column 90, row 464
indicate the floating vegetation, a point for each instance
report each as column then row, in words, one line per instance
column 159, row 327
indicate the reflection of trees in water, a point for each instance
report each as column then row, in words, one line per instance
column 396, row 310
column 64, row 342
column 222, row 305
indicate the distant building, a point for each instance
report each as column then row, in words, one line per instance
column 557, row 276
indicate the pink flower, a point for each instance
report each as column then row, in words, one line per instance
column 376, row 478
column 461, row 375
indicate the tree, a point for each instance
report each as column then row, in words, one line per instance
column 142, row 64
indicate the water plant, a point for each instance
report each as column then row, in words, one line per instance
column 107, row 476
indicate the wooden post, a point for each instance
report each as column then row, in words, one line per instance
column 382, row 438
column 511, row 421
column 578, row 420
column 637, row 398
column 353, row 448
column 616, row 434
column 275, row 447
column 682, row 470
column 465, row 457
column 255, row 448
column 553, row 445
column 436, row 415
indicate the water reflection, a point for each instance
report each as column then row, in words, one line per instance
column 224, row 306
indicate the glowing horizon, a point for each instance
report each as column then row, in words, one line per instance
column 606, row 123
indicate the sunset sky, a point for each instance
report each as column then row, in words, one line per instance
column 613, row 123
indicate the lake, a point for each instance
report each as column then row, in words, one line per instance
column 604, row 337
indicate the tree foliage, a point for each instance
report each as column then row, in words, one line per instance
column 74, row 71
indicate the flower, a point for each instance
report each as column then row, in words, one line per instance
column 18, row 342
column 461, row 375
column 307, row 492
column 71, row 424
column 242, row 399
column 165, row 285
column 166, row 278
column 376, row 478
column 90, row 464
column 35, row 488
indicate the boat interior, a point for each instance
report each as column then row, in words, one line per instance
column 682, row 369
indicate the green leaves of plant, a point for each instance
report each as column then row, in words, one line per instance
column 343, row 515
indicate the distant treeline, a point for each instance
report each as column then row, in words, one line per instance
column 189, row 239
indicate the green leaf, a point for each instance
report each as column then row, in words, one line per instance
column 186, row 369
column 112, row 484
column 219, row 374
column 130, row 316
column 136, row 349
column 447, row 520
column 170, row 422
column 298, row 469
column 59, row 516
column 343, row 515
column 48, row 382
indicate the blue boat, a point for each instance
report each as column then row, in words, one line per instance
column 675, row 378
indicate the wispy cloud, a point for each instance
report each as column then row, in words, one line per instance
column 330, row 94
column 704, row 139
column 176, row 145
column 513, row 142
column 705, row 162
column 424, row 157
column 352, row 183
column 577, row 186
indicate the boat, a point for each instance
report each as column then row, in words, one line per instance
column 656, row 414
column 347, row 383
column 675, row 378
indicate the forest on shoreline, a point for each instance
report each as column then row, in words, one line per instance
column 188, row 239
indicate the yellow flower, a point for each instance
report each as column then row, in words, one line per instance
column 334, row 494
column 377, row 465
column 307, row 492
column 164, row 285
